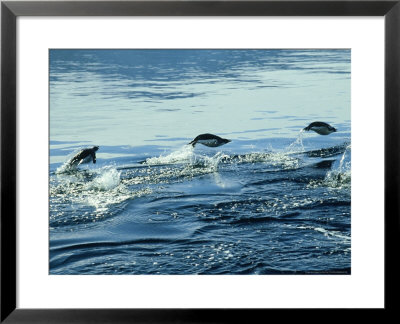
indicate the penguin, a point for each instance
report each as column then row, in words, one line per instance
column 86, row 155
column 321, row 128
column 209, row 140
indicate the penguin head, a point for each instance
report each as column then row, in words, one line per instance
column 95, row 148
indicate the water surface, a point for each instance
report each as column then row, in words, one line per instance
column 275, row 200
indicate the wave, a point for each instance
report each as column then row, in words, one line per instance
column 290, row 157
column 183, row 155
column 327, row 233
column 88, row 196
column 339, row 176
column 329, row 151
column 91, row 195
column 187, row 156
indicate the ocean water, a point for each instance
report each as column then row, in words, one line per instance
column 275, row 200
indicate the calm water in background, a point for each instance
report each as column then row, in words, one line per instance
column 275, row 200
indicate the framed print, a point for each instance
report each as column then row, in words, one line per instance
column 180, row 160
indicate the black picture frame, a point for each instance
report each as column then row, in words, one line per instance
column 10, row 10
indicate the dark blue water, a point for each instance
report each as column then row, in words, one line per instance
column 275, row 200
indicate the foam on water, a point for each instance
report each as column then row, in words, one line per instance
column 183, row 163
column 210, row 160
column 327, row 233
column 280, row 160
column 184, row 154
column 340, row 175
column 108, row 179
column 65, row 168
column 93, row 195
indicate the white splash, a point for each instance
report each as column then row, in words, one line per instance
column 65, row 168
column 109, row 178
column 297, row 146
column 182, row 155
column 340, row 175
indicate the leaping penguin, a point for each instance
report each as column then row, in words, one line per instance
column 86, row 155
column 321, row 128
column 209, row 140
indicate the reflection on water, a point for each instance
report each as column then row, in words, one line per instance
column 102, row 96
